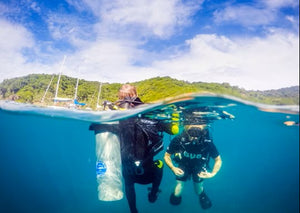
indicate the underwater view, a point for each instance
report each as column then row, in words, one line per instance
column 48, row 160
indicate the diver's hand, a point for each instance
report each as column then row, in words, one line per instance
column 178, row 172
column 205, row 174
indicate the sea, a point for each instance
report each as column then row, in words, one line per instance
column 48, row 161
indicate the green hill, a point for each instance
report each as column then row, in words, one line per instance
column 31, row 89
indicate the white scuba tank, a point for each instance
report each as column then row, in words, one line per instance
column 108, row 166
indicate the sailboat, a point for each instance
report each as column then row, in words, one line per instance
column 68, row 102
column 57, row 99
column 76, row 104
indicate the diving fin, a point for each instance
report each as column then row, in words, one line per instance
column 174, row 200
column 152, row 196
column 204, row 201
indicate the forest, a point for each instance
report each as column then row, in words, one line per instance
column 31, row 89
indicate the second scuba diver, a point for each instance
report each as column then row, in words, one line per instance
column 188, row 156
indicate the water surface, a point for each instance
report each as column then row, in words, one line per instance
column 47, row 164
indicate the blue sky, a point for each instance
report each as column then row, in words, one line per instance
column 249, row 44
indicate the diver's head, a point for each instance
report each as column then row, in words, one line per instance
column 127, row 91
column 196, row 133
column 128, row 97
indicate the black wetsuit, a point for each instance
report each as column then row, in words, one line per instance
column 137, row 137
column 140, row 139
column 192, row 156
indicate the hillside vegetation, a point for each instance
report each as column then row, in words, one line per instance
column 31, row 89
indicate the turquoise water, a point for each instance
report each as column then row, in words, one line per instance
column 47, row 164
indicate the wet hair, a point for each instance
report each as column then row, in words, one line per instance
column 126, row 91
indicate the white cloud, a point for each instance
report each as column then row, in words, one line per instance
column 257, row 63
column 254, row 63
column 14, row 40
column 34, row 6
column 109, row 61
column 101, row 60
column 148, row 18
column 259, row 13
column 291, row 19
column 69, row 28
column 251, row 63
column 78, row 5
column 15, row 33
column 281, row 3
column 245, row 15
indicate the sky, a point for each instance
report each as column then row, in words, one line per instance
column 251, row 44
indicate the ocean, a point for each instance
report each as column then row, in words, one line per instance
column 47, row 165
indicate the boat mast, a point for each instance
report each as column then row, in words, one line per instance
column 100, row 86
column 76, row 88
column 43, row 98
column 60, row 72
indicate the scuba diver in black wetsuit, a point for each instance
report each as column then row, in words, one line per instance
column 140, row 140
column 191, row 151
